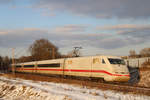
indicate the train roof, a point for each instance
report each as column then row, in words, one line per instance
column 108, row 56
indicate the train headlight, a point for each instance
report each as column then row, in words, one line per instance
column 121, row 72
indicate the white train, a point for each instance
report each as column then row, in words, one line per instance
column 110, row 68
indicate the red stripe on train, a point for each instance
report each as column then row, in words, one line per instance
column 74, row 70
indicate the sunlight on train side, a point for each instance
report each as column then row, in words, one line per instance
column 119, row 65
column 119, row 70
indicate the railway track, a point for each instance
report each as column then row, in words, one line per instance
column 122, row 87
column 125, row 88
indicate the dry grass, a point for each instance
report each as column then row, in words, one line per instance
column 145, row 74
column 145, row 66
column 144, row 78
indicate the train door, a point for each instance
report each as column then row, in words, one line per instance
column 35, row 67
column 98, row 67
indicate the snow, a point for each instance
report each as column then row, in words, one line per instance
column 19, row 89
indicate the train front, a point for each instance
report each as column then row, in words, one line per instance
column 120, row 70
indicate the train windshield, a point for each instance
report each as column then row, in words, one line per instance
column 116, row 61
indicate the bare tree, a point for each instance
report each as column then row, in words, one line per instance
column 43, row 49
column 1, row 63
column 7, row 63
column 132, row 53
column 145, row 52
column 4, row 63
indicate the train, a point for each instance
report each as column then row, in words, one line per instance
column 108, row 68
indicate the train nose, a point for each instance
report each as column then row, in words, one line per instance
column 122, row 78
column 122, row 72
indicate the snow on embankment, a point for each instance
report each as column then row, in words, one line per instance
column 9, row 91
column 19, row 89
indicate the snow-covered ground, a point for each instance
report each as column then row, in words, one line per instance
column 19, row 89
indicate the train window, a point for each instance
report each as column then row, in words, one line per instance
column 116, row 61
column 18, row 66
column 70, row 62
column 28, row 65
column 49, row 65
column 96, row 60
column 103, row 62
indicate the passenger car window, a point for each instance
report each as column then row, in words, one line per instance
column 103, row 62
column 18, row 66
column 28, row 65
column 49, row 65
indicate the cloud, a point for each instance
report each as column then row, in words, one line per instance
column 124, row 26
column 129, row 30
column 5, row 1
column 99, row 8
column 70, row 29
column 136, row 36
column 112, row 43
column 131, row 34
column 3, row 32
column 25, row 37
column 20, row 37
column 69, row 36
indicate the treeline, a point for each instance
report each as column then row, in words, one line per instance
column 4, row 63
column 143, row 53
column 43, row 49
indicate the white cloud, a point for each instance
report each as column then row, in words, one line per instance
column 5, row 1
column 123, row 27
column 99, row 8
column 76, row 35
column 131, row 34
column 3, row 32
column 70, row 29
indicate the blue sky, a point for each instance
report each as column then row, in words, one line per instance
column 111, row 27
